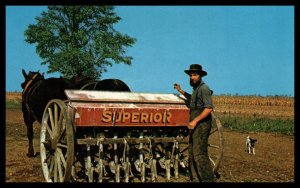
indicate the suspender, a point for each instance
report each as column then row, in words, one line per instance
column 195, row 111
column 202, row 83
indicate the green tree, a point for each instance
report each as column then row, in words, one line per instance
column 79, row 41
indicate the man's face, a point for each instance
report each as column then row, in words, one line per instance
column 195, row 79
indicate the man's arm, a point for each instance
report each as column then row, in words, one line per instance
column 200, row 117
column 185, row 94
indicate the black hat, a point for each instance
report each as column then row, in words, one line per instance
column 196, row 68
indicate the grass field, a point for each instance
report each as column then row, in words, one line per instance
column 237, row 113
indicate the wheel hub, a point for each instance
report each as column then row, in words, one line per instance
column 50, row 145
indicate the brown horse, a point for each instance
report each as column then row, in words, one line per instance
column 38, row 91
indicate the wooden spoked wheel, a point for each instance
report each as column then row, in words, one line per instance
column 216, row 144
column 56, row 142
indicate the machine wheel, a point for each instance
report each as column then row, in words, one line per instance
column 216, row 144
column 56, row 142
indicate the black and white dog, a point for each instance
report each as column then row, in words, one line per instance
column 250, row 145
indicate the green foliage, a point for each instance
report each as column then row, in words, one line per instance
column 79, row 40
column 258, row 124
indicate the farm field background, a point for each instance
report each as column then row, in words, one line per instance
column 272, row 106
column 274, row 160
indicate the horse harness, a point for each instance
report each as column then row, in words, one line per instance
column 30, row 90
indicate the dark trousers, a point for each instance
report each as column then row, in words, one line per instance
column 200, row 165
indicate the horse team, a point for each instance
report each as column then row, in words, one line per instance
column 38, row 91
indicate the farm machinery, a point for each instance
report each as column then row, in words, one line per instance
column 104, row 136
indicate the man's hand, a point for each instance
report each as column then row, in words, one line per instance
column 178, row 88
column 192, row 125
column 201, row 116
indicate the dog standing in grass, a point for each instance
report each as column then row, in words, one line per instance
column 250, row 145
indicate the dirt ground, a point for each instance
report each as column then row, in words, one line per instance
column 274, row 160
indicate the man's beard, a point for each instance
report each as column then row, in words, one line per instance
column 194, row 84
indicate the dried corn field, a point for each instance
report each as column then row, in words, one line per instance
column 270, row 106
column 221, row 100
column 274, row 107
column 254, row 100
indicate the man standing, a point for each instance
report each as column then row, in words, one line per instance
column 200, row 103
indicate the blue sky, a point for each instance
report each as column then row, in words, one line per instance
column 246, row 50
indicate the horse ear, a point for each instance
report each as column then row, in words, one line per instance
column 24, row 73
